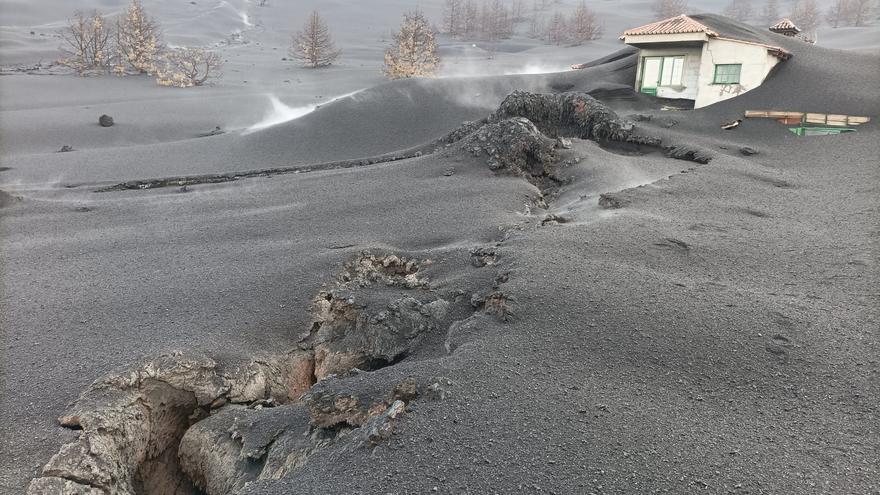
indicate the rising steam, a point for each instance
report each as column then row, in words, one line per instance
column 280, row 113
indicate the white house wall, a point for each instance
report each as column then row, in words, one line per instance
column 665, row 38
column 756, row 64
column 690, row 78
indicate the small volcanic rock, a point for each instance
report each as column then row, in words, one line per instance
column 611, row 202
column 105, row 121
column 748, row 151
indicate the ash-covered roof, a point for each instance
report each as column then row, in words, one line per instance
column 715, row 26
column 674, row 25
column 725, row 27
column 784, row 25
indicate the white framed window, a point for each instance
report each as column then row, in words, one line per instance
column 727, row 73
column 662, row 71
column 673, row 69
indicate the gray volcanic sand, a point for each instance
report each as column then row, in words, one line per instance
column 384, row 118
column 717, row 333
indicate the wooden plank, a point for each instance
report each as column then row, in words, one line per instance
column 834, row 120
column 772, row 114
column 790, row 121
column 787, row 115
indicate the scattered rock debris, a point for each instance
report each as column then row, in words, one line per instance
column 494, row 303
column 612, row 201
column 727, row 126
column 516, row 146
column 689, row 153
column 483, row 256
column 554, row 219
column 524, row 135
column 672, row 243
column 184, row 423
column 216, row 131
column 248, row 174
column 7, row 199
column 666, row 122
column 330, row 405
column 570, row 115
column 347, row 334
column 368, row 269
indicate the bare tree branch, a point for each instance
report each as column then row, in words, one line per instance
column 186, row 67
column 87, row 43
column 669, row 8
column 314, row 46
column 584, row 25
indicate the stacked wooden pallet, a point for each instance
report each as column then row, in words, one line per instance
column 806, row 118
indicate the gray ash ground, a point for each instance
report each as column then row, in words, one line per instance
column 674, row 327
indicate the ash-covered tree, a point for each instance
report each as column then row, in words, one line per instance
column 861, row 11
column 664, row 9
column 314, row 46
column 413, row 52
column 495, row 20
column 87, row 43
column 770, row 14
column 740, row 10
column 187, row 67
column 537, row 27
column 518, row 10
column 453, row 17
column 470, row 22
column 839, row 12
column 490, row 20
column 138, row 41
column 584, row 25
column 557, row 29
column 850, row 12
column 805, row 15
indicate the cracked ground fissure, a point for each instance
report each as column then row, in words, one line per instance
column 185, row 423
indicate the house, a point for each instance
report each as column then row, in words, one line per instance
column 786, row 28
column 704, row 58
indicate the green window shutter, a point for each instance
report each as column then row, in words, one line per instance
column 727, row 73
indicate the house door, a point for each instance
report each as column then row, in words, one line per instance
column 652, row 67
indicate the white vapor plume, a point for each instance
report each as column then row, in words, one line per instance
column 475, row 69
column 535, row 68
column 280, row 113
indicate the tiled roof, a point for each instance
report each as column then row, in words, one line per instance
column 784, row 25
column 674, row 25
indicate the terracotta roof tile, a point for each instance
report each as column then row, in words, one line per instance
column 674, row 25
column 784, row 25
